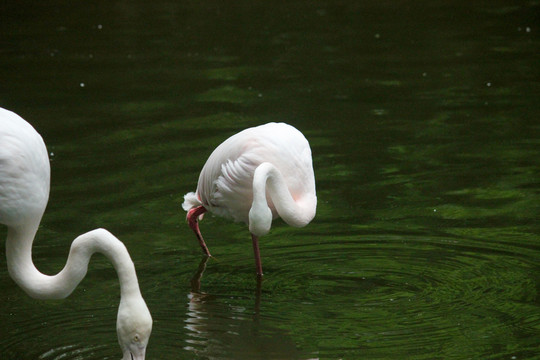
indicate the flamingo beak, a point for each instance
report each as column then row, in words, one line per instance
column 128, row 355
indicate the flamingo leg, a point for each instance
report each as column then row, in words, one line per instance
column 196, row 279
column 257, row 254
column 192, row 217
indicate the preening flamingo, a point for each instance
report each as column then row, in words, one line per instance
column 24, row 193
column 255, row 176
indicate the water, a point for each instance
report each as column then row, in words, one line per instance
column 423, row 121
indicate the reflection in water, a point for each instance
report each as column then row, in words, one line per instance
column 423, row 122
column 222, row 331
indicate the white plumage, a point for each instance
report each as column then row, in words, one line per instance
column 24, row 193
column 255, row 176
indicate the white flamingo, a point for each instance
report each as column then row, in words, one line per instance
column 255, row 176
column 24, row 193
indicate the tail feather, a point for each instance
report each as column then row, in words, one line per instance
column 190, row 201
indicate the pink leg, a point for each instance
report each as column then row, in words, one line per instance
column 192, row 217
column 257, row 253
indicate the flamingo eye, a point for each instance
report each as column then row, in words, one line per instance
column 136, row 339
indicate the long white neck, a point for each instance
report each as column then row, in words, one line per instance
column 41, row 286
column 295, row 212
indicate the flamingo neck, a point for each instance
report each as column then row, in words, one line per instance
column 267, row 179
column 41, row 286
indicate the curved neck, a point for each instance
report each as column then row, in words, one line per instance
column 41, row 286
column 298, row 212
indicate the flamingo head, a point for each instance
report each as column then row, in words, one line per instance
column 134, row 326
column 260, row 219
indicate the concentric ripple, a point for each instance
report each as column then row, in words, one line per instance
column 375, row 293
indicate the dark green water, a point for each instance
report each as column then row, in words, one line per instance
column 423, row 119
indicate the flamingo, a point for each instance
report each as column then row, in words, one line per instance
column 255, row 176
column 24, row 193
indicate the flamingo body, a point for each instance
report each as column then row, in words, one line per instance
column 255, row 176
column 24, row 193
column 24, row 171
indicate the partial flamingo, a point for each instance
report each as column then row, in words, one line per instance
column 255, row 176
column 24, row 193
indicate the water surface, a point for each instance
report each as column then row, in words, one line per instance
column 423, row 121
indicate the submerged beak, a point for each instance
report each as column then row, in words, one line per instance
column 128, row 355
